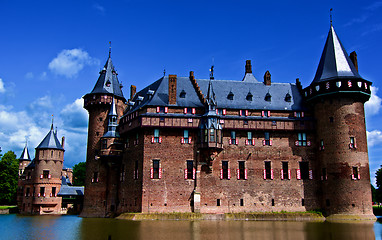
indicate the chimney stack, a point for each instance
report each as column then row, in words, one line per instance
column 267, row 78
column 63, row 142
column 353, row 58
column 248, row 67
column 172, row 89
column 133, row 90
column 192, row 77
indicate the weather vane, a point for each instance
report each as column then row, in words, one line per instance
column 212, row 69
column 331, row 16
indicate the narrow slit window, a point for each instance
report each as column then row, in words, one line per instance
column 225, row 170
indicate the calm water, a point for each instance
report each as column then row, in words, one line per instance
column 72, row 227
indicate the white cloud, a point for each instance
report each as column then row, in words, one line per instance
column 69, row 62
column 373, row 106
column 374, row 6
column 99, row 8
column 2, row 89
column 34, row 124
column 374, row 137
column 29, row 75
column 43, row 75
column 74, row 115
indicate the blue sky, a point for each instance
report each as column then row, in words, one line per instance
column 52, row 51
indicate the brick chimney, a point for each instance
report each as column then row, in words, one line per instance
column 353, row 58
column 192, row 77
column 171, row 89
column 133, row 90
column 267, row 78
column 63, row 142
column 248, row 67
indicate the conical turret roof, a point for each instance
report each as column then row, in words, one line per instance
column 108, row 81
column 335, row 62
column 25, row 154
column 50, row 141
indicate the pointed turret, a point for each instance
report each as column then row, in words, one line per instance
column 211, row 100
column 108, row 81
column 25, row 154
column 24, row 159
column 335, row 62
column 336, row 73
column 210, row 127
column 50, row 141
column 112, row 122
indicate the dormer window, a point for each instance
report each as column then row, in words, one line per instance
column 268, row 97
column 139, row 99
column 249, row 96
column 230, row 95
column 288, row 97
column 108, row 83
column 182, row 94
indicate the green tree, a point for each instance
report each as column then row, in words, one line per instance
column 9, row 167
column 79, row 171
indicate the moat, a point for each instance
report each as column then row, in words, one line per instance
column 73, row 227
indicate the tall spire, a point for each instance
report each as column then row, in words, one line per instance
column 112, row 122
column 25, row 154
column 108, row 81
column 334, row 62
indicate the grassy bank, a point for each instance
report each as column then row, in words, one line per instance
column 266, row 216
column 8, row 209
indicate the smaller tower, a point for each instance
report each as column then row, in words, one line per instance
column 41, row 180
column 211, row 129
column 111, row 145
column 47, row 174
column 24, row 159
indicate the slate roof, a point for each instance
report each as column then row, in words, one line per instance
column 25, row 154
column 334, row 62
column 222, row 88
column 68, row 190
column 31, row 164
column 50, row 141
column 108, row 81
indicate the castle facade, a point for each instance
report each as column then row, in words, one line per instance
column 184, row 144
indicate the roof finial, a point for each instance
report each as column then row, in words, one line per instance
column 164, row 71
column 212, row 69
column 109, row 49
column 212, row 72
column 331, row 16
column 51, row 127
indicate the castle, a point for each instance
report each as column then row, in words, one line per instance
column 183, row 144
column 43, row 181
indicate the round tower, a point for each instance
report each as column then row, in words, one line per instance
column 337, row 95
column 105, row 95
column 46, row 177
